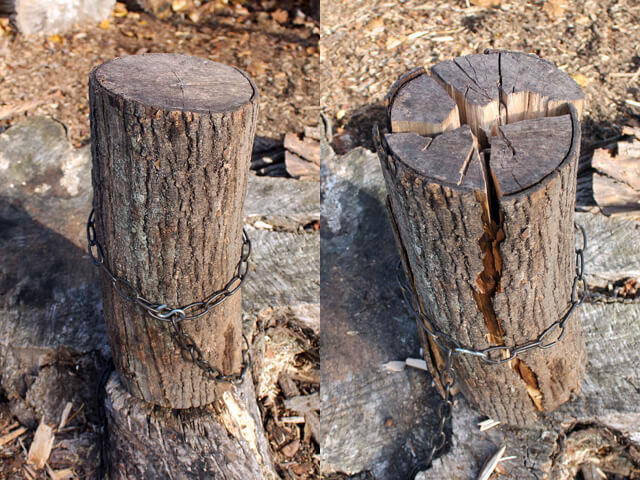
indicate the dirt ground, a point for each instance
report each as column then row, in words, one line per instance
column 277, row 44
column 281, row 56
column 366, row 45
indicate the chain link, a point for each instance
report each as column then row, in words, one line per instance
column 496, row 354
column 174, row 316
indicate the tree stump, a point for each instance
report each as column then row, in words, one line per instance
column 481, row 190
column 172, row 138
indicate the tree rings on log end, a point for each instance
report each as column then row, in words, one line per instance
column 179, row 82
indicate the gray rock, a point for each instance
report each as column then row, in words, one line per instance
column 58, row 16
column 284, row 270
column 371, row 420
column 49, row 295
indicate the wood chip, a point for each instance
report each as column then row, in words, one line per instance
column 303, row 403
column 394, row 366
column 41, row 446
column 288, row 386
column 292, row 419
column 64, row 418
column 491, row 464
column 417, row 363
column 291, row 448
column 11, row 436
column 488, row 424
column 312, row 420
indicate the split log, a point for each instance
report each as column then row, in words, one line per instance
column 484, row 220
column 172, row 138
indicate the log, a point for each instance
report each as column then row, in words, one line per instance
column 222, row 440
column 484, row 219
column 171, row 143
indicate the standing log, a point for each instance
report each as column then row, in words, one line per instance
column 172, row 138
column 171, row 143
column 484, row 219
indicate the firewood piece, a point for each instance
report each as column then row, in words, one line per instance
column 312, row 420
column 171, row 141
column 41, row 446
column 624, row 166
column 423, row 107
column 11, row 436
column 519, row 159
column 298, row 167
column 487, row 237
column 308, row 149
column 455, row 148
column 616, row 198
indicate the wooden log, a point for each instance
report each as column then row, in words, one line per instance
column 222, row 440
column 484, row 219
column 171, row 143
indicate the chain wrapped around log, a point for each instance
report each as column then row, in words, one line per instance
column 480, row 161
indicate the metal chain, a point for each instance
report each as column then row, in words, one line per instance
column 492, row 355
column 174, row 316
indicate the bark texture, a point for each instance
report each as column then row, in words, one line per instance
column 222, row 440
column 171, row 143
column 484, row 219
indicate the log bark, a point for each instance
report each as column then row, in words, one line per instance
column 484, row 219
column 171, row 143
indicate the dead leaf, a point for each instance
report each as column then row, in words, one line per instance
column 257, row 68
column 104, row 24
column 56, row 39
column 554, row 9
column 120, row 10
column 375, row 26
column 581, row 79
column 280, row 16
column 393, row 42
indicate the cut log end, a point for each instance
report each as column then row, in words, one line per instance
column 176, row 82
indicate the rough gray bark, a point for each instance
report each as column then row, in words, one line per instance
column 171, row 142
column 491, row 256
